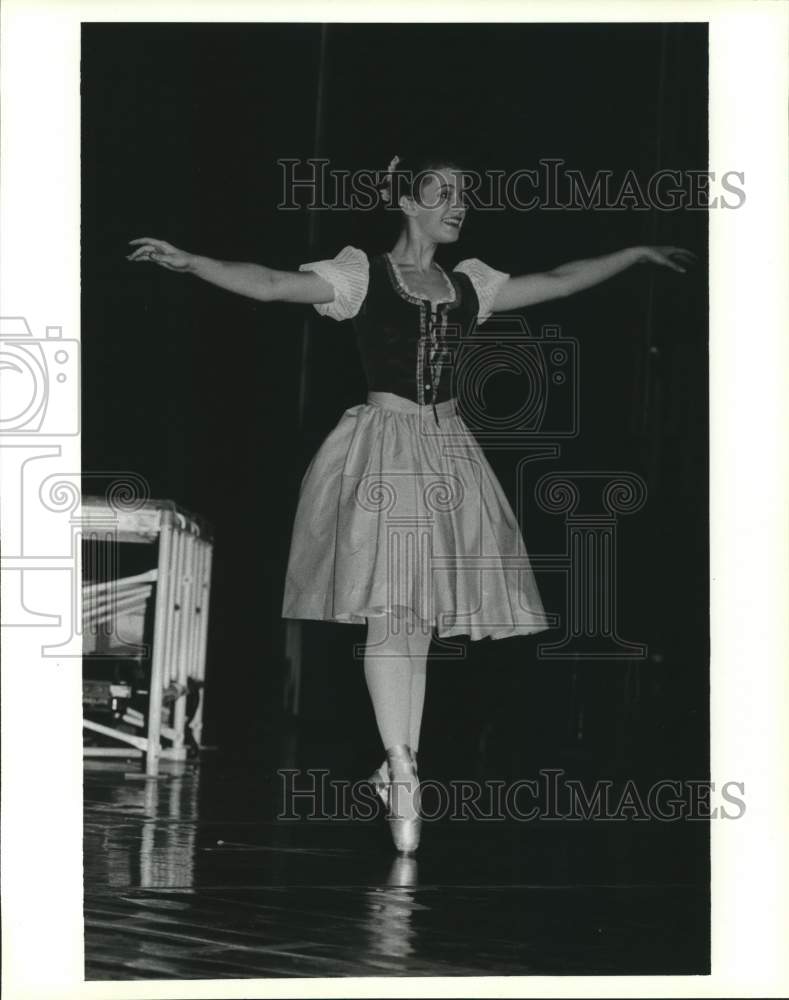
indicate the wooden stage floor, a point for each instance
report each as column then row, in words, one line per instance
column 193, row 876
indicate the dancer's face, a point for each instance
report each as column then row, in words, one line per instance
column 440, row 210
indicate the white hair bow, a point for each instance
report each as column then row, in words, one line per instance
column 386, row 187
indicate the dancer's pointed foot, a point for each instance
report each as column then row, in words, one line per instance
column 379, row 779
column 404, row 820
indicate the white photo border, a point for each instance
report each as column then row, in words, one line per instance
column 749, row 490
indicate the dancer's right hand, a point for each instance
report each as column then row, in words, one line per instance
column 160, row 252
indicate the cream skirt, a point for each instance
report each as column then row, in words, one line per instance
column 397, row 511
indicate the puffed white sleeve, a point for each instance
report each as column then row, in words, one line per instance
column 349, row 274
column 486, row 281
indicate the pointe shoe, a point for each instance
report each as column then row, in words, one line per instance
column 380, row 780
column 405, row 823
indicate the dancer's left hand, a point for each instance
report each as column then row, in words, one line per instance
column 677, row 258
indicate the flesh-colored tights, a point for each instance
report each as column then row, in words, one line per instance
column 395, row 668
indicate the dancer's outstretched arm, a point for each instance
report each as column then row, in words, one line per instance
column 567, row 279
column 252, row 280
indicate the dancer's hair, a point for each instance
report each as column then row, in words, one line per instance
column 406, row 175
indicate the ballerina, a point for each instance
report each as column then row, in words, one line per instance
column 401, row 522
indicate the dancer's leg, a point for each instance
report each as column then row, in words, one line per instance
column 387, row 670
column 418, row 635
column 389, row 674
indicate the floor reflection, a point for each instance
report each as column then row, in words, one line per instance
column 390, row 910
column 142, row 831
column 192, row 876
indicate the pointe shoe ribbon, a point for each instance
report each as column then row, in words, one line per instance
column 379, row 779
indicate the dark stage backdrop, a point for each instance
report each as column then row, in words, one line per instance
column 198, row 390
